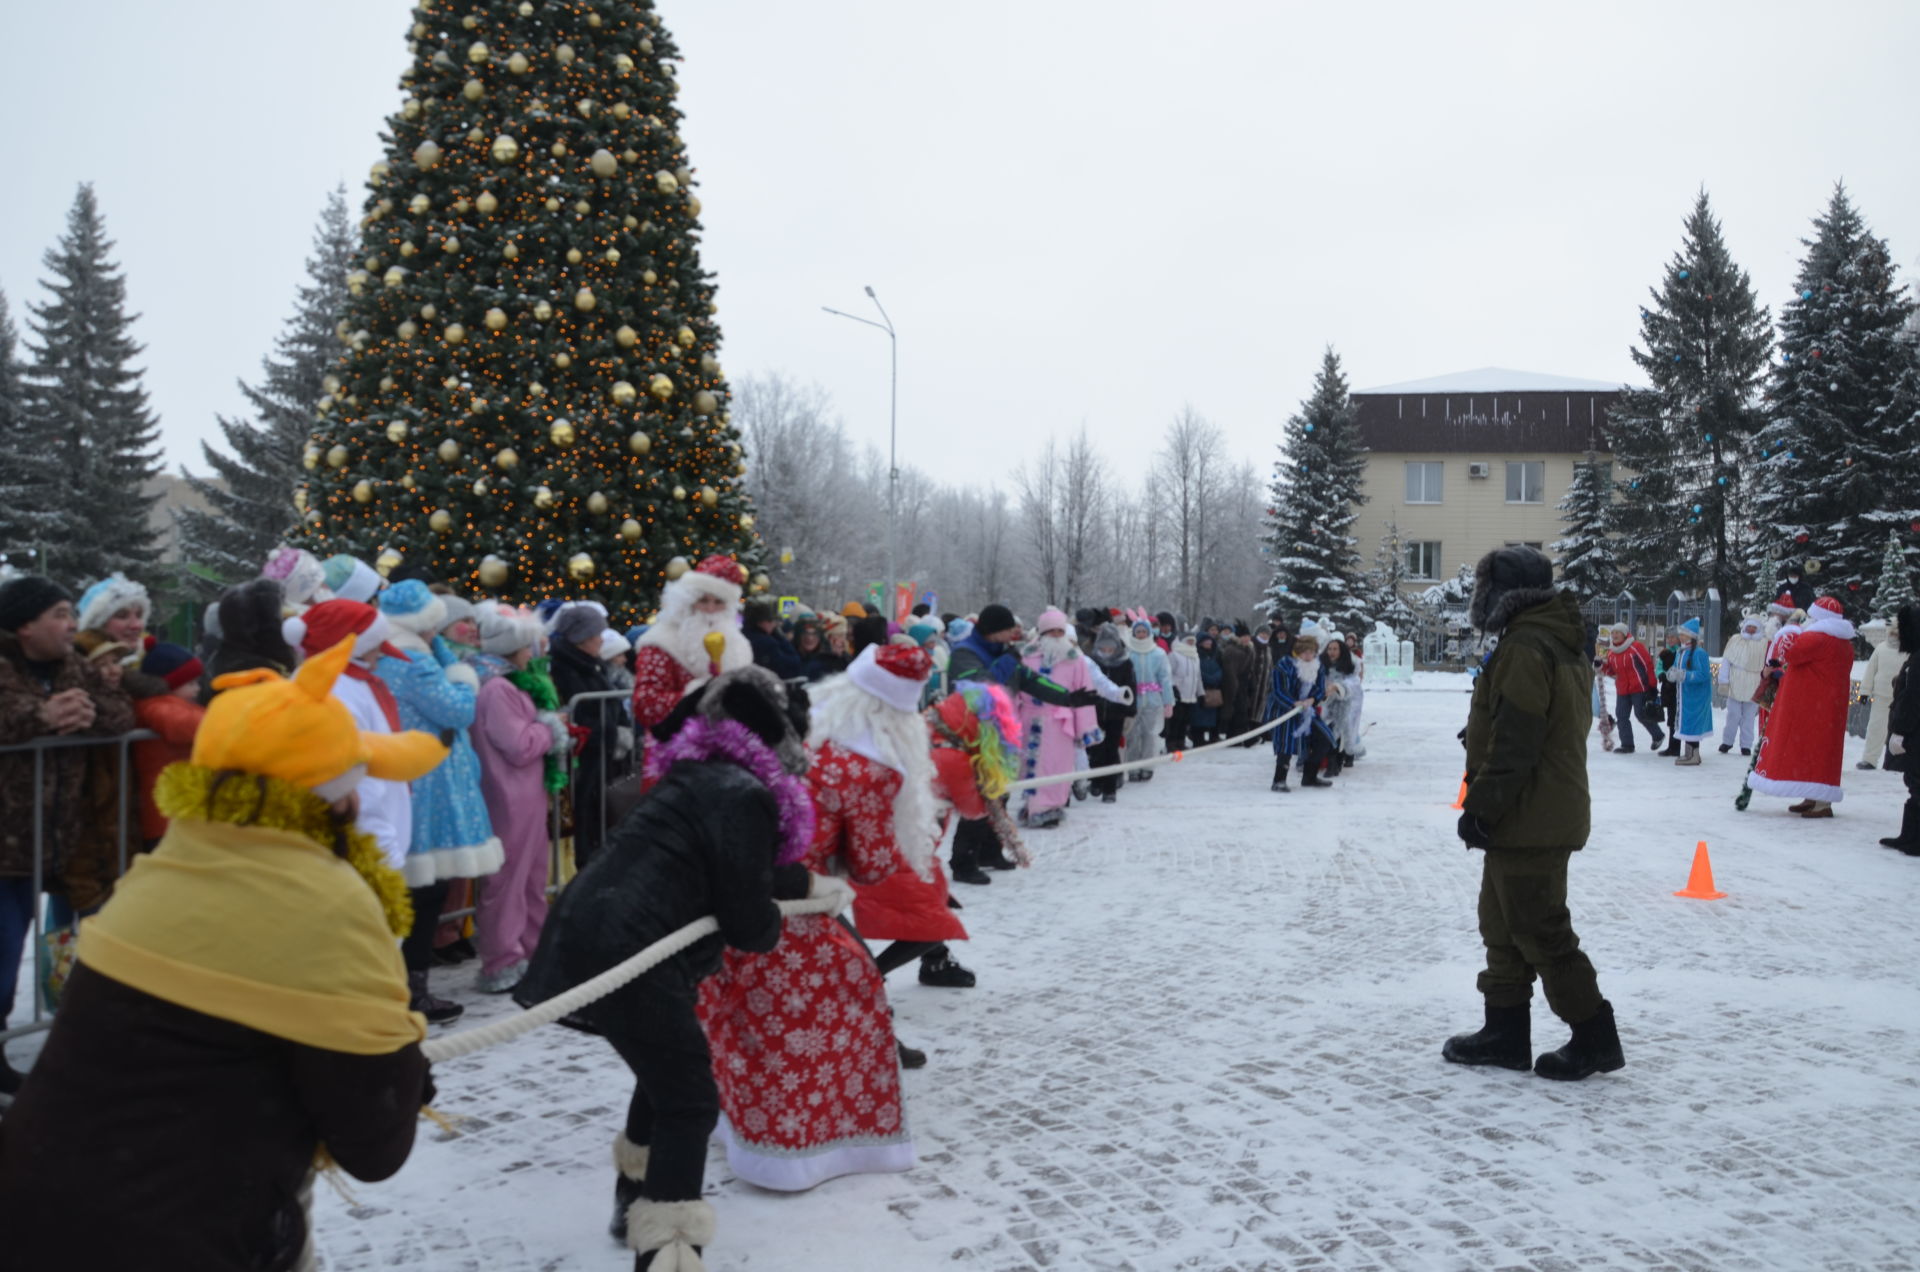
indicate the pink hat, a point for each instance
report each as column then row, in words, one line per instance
column 1052, row 620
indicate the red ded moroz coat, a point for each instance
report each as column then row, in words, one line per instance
column 1805, row 745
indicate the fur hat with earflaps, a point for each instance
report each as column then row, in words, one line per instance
column 1507, row 581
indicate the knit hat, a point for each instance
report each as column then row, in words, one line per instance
column 172, row 664
column 297, row 731
column 1620, row 629
column 612, row 645
column 922, row 632
column 412, row 607
column 718, row 575
column 351, row 579
column 1051, row 620
column 994, row 619
column 108, row 597
column 331, row 622
column 853, row 610
column 503, row 633
column 892, row 673
column 26, row 598
column 577, row 624
column 299, row 573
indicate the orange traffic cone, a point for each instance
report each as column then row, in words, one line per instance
column 1700, row 880
column 1460, row 800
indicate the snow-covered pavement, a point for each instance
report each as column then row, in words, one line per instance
column 1207, row 1035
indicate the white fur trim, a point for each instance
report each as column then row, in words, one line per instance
column 699, row 584
column 342, row 786
column 655, row 1225
column 472, row 862
column 1796, row 790
column 108, row 598
column 362, row 585
column 629, row 1158
column 461, row 674
column 682, row 640
column 426, row 620
column 896, row 691
column 294, row 632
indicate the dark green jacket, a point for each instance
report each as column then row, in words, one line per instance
column 1527, row 730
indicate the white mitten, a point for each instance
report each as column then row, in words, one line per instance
column 562, row 739
column 1897, row 745
column 827, row 886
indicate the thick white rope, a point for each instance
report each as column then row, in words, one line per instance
column 467, row 1041
column 1172, row 757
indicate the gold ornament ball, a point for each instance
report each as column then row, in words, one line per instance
column 440, row 521
column 604, row 164
column 694, row 205
column 477, row 52
column 397, row 431
column 553, row 205
column 330, row 383
column 564, row 55
column 451, row 245
column 585, row 107
column 684, row 174
column 709, row 496
column 630, row 530
column 388, row 383
column 493, row 571
column 300, row 499
column 639, row 443
column 406, row 481
column 664, row 180
column 562, row 433
column 558, row 149
column 486, row 203
column 597, row 504
column 648, row 277
column 506, row 458
column 584, row 299
column 623, row 64
column 761, row 582
column 480, row 487
column 629, row 220
column 475, row 136
column 740, row 469
column 407, row 329
column 685, row 337
column 454, row 333
column 419, row 203
column 448, row 451
column 394, row 276
column 543, row 497
column 505, row 149
column 473, row 90
column 623, row 393
column 629, row 156
column 496, row 320
column 386, row 562
column 746, row 521
column 426, row 154
column 563, row 360
column 311, row 458
column 705, row 403
column 573, row 256
column 337, row 456
column 580, row 566
column 542, row 311
column 510, row 252
column 709, row 364
column 677, row 567
column 380, row 169
column 583, row 207
column 429, row 311
column 611, row 256
column 621, row 111
column 408, row 249
column 661, row 387
column 518, row 64
column 627, row 337
column 680, row 493
column 460, row 205
column 470, row 22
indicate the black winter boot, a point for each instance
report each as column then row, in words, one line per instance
column 1506, row 1040
column 1673, row 746
column 910, row 1057
column 438, row 1011
column 1594, row 1048
column 938, row 968
column 1280, row 767
column 1908, row 840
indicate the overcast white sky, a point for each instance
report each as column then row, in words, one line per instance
column 1074, row 209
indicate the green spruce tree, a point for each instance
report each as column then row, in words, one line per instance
column 1386, row 595
column 87, row 410
column 1586, row 552
column 531, row 401
column 1840, row 455
column 1315, row 498
column 30, row 514
column 1681, row 445
column 1894, row 589
column 250, row 492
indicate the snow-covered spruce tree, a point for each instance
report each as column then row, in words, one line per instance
column 1386, row 598
column 87, row 409
column 1585, row 553
column 531, row 402
column 252, row 499
column 30, row 517
column 1895, row 586
column 1681, row 445
column 1841, row 449
column 1314, row 500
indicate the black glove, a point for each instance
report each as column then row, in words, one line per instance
column 427, row 1089
column 446, row 738
column 1083, row 698
column 1475, row 833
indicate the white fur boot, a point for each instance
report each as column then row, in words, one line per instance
column 673, row 1233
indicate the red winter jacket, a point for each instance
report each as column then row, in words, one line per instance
column 1632, row 668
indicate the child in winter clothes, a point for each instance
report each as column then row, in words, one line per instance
column 1741, row 666
column 174, row 712
column 1153, row 697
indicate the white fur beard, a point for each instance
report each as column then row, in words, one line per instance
column 846, row 714
column 1309, row 669
column 1057, row 649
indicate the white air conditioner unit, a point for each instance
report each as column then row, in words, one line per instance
column 1480, row 470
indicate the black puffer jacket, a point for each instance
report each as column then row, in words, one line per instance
column 703, row 841
column 1903, row 718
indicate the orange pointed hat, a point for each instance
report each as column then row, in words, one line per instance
column 297, row 731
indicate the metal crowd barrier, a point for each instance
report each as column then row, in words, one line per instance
column 38, row 749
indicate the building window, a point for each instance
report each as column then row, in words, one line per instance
column 1423, row 482
column 1526, row 481
column 1515, row 543
column 1423, row 559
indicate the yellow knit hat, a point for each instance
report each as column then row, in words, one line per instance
column 297, row 731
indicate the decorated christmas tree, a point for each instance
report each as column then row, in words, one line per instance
column 1894, row 590
column 1586, row 553
column 1840, row 456
column 1680, row 445
column 1386, row 598
column 251, row 502
column 1315, row 498
column 530, row 401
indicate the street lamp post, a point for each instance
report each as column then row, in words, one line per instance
column 893, row 457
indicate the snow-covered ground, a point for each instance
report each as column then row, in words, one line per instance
column 1207, row 1035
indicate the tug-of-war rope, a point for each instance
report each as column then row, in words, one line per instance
column 467, row 1041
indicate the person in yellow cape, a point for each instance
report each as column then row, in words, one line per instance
column 238, row 1007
